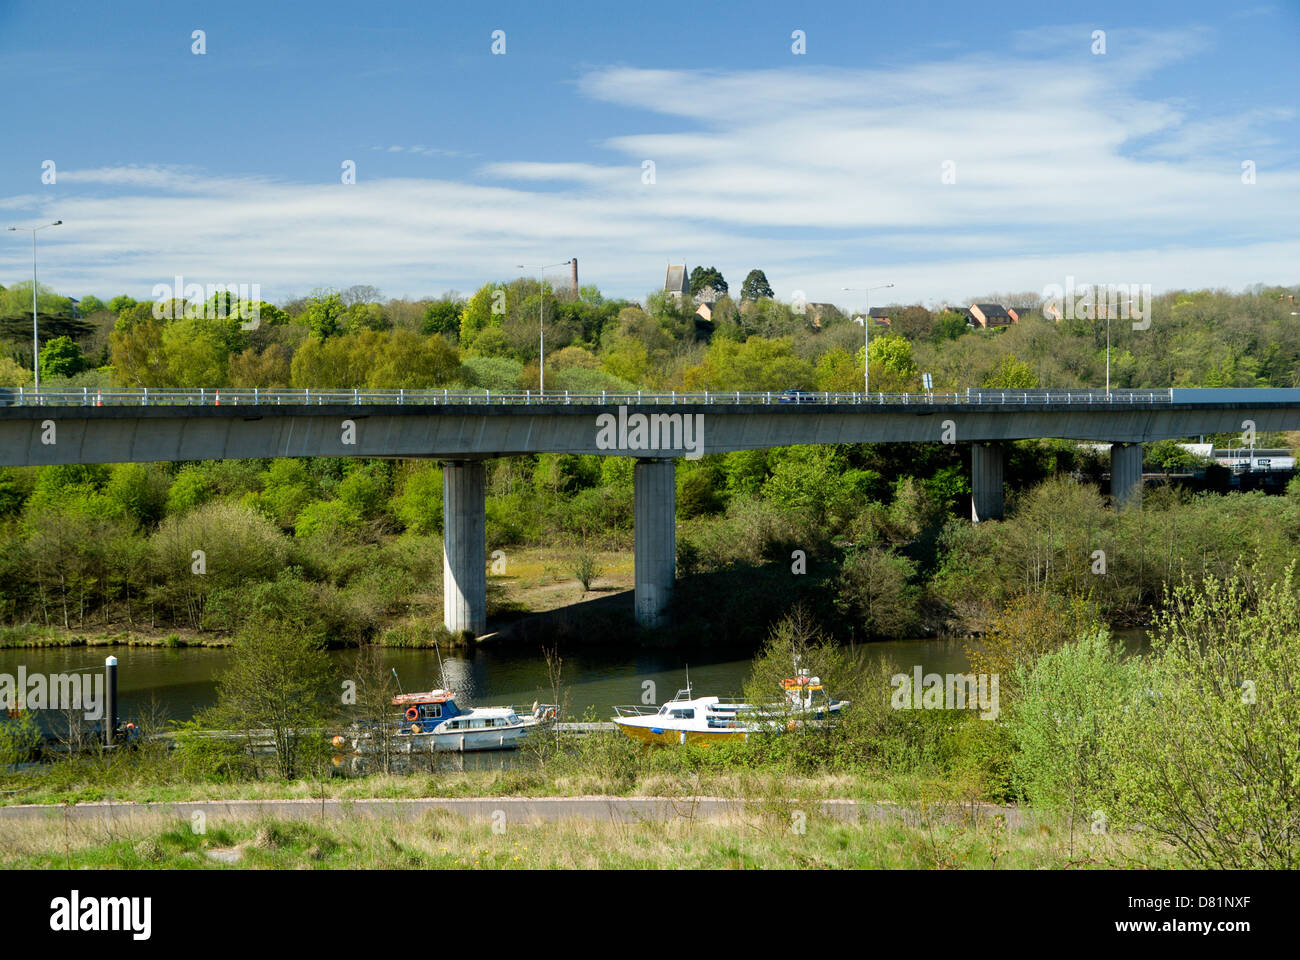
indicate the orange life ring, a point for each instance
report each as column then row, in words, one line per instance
column 412, row 713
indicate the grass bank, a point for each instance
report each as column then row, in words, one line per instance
column 763, row 839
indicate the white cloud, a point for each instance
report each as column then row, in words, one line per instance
column 819, row 176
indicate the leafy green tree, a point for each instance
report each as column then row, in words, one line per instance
column 267, row 369
column 478, row 313
column 757, row 364
column 90, row 304
column 419, row 504
column 280, row 679
column 191, row 487
column 874, row 587
column 442, row 316
column 121, row 302
column 287, row 488
column 141, row 489
column 1071, row 702
column 197, row 351
column 1012, row 374
column 839, row 371
column 238, row 546
column 702, row 277
column 949, row 325
column 756, row 286
column 407, row 360
column 14, row 374
column 1209, row 751
column 324, row 315
column 136, row 349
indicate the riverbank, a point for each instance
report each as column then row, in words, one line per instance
column 528, row 583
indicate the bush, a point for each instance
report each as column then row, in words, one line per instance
column 1065, row 721
column 238, row 546
column 874, row 588
column 419, row 505
column 1210, row 758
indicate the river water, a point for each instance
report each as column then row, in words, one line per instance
column 594, row 678
column 183, row 680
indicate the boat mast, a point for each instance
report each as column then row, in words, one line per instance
column 442, row 676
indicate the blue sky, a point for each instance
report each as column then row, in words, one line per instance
column 825, row 169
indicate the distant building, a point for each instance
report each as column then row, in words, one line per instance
column 990, row 315
column 677, row 283
column 880, row 316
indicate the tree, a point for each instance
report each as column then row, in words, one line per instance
column 90, row 304
column 121, row 302
column 756, row 286
column 404, row 359
column 757, row 364
column 360, row 293
column 279, row 679
column 1209, row 750
column 441, row 316
column 1070, row 703
column 893, row 369
column 1011, row 374
column 268, row 369
column 14, row 374
column 324, row 314
column 197, row 351
column 874, row 588
column 702, row 277
column 136, row 348
column 61, row 357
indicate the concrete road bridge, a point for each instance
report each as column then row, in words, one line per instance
column 463, row 429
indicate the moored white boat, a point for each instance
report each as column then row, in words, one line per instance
column 432, row 721
column 689, row 719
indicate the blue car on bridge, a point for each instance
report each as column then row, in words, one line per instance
column 797, row 396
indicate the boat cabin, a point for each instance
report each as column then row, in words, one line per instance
column 423, row 711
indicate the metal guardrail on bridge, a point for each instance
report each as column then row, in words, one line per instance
column 148, row 397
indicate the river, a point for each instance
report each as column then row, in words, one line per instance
column 183, row 680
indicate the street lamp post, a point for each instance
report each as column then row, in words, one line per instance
column 866, row 334
column 541, row 325
column 36, row 347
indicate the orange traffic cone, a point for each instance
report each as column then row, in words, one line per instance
column 218, row 402
column 99, row 398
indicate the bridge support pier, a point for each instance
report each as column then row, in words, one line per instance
column 1126, row 475
column 464, row 546
column 987, row 465
column 655, row 529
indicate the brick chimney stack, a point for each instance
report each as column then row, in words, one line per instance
column 575, row 278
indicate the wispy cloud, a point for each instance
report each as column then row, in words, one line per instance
column 1061, row 166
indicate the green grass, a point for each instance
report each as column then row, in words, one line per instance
column 445, row 841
